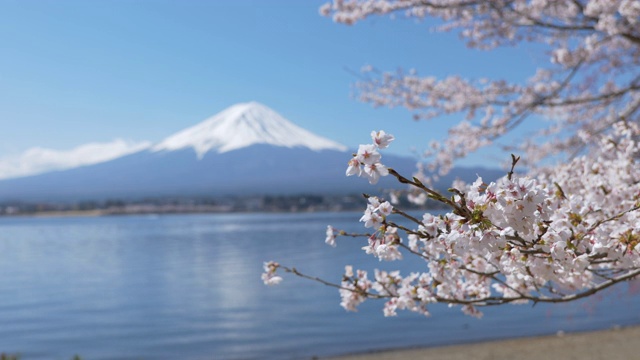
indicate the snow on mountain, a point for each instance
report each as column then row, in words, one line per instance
column 243, row 125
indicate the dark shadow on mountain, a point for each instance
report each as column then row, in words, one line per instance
column 254, row 170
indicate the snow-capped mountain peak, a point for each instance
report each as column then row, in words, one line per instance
column 243, row 125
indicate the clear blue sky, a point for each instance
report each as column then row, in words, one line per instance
column 74, row 72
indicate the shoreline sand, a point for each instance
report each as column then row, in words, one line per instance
column 612, row 344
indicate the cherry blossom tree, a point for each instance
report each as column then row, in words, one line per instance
column 564, row 222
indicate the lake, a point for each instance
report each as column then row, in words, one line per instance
column 189, row 287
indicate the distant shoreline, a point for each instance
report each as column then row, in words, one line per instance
column 70, row 213
column 102, row 212
column 612, row 344
column 303, row 203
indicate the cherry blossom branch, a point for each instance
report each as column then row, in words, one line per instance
column 485, row 301
column 565, row 231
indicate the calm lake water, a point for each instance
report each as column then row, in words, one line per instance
column 188, row 287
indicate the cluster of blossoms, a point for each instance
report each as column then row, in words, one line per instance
column 384, row 241
column 520, row 239
column 562, row 232
column 514, row 240
column 269, row 276
column 366, row 162
column 592, row 79
column 354, row 289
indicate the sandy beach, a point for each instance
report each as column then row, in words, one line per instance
column 614, row 344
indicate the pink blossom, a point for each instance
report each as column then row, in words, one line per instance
column 331, row 236
column 354, row 167
column 368, row 154
column 375, row 171
column 381, row 139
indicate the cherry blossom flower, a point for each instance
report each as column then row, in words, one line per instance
column 269, row 276
column 331, row 236
column 354, row 167
column 381, row 139
column 375, row 171
column 368, row 154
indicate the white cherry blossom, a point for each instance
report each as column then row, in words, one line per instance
column 381, row 139
column 368, row 154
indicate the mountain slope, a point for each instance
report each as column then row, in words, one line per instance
column 257, row 169
column 254, row 170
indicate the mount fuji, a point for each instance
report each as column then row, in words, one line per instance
column 247, row 149
column 241, row 126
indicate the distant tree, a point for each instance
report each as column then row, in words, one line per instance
column 567, row 229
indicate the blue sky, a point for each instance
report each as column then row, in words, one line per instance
column 77, row 72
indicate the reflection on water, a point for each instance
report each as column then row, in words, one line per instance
column 188, row 286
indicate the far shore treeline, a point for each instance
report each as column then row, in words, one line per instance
column 178, row 205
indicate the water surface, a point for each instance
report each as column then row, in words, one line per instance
column 188, row 287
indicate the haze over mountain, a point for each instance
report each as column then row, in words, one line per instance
column 247, row 149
